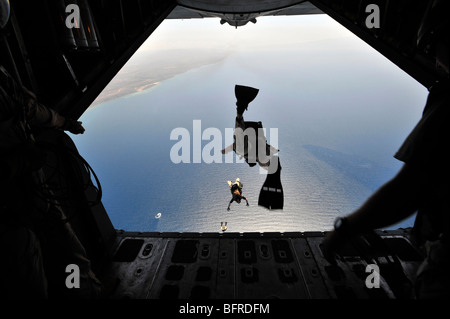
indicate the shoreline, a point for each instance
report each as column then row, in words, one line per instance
column 133, row 79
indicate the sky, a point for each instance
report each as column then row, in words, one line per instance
column 267, row 33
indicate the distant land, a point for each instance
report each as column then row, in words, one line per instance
column 148, row 68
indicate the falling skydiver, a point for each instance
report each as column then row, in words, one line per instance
column 223, row 226
column 236, row 192
column 250, row 143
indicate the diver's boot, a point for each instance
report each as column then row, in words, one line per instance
column 241, row 108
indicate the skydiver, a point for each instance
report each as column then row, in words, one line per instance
column 246, row 142
column 223, row 226
column 236, row 192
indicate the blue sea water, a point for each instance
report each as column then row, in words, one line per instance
column 338, row 127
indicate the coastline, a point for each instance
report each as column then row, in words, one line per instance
column 147, row 71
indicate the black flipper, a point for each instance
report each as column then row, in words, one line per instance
column 244, row 95
column 271, row 195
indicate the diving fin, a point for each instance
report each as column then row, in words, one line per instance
column 271, row 195
column 244, row 95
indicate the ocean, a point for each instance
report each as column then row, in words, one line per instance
column 337, row 125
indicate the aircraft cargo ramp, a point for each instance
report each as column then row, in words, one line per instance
column 261, row 266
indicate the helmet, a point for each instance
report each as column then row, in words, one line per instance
column 4, row 12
